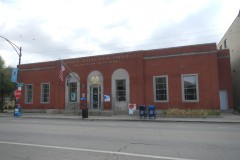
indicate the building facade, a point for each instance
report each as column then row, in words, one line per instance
column 187, row 77
column 231, row 41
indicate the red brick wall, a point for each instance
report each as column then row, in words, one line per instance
column 205, row 65
column 36, row 77
column 212, row 72
column 83, row 67
column 225, row 77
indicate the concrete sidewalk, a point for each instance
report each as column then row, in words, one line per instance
column 223, row 118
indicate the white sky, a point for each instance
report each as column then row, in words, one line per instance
column 52, row 29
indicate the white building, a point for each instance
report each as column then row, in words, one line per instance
column 231, row 41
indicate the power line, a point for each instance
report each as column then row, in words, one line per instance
column 165, row 39
column 115, row 48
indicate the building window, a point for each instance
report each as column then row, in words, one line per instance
column 221, row 47
column 225, row 43
column 160, row 89
column 190, row 88
column 45, row 93
column 120, row 90
column 28, row 93
column 73, row 92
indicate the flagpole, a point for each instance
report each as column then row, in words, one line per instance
column 69, row 70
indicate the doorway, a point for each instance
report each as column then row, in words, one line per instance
column 96, row 97
column 223, row 100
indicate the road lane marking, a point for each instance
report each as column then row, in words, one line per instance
column 93, row 150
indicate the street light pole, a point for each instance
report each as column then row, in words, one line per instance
column 17, row 49
column 20, row 55
column 19, row 52
column 1, row 94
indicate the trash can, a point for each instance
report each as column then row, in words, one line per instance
column 142, row 111
column 17, row 111
column 84, row 113
column 151, row 111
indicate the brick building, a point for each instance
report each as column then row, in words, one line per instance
column 197, row 76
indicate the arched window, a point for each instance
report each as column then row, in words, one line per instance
column 72, row 91
column 120, row 90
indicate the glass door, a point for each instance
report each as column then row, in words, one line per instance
column 96, row 97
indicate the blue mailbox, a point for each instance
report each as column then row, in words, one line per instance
column 17, row 111
column 142, row 111
column 151, row 111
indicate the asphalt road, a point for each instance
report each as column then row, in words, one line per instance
column 46, row 139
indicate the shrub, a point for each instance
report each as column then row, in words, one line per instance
column 191, row 112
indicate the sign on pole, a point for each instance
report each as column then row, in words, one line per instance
column 17, row 94
column 14, row 75
column 20, row 84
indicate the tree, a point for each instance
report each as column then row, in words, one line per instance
column 2, row 63
column 6, row 86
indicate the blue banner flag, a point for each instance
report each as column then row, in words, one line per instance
column 14, row 75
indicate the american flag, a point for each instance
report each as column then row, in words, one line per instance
column 62, row 68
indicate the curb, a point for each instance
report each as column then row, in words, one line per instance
column 124, row 119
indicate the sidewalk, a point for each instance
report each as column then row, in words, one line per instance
column 223, row 118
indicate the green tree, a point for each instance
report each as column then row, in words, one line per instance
column 2, row 63
column 6, row 86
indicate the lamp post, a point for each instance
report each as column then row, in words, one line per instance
column 19, row 52
column 1, row 94
column 16, row 48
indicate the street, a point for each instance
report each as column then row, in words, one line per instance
column 52, row 139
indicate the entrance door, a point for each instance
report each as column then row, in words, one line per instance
column 223, row 100
column 96, row 97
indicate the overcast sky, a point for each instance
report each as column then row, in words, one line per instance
column 52, row 29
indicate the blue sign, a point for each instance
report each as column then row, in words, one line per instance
column 107, row 98
column 83, row 98
column 14, row 75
